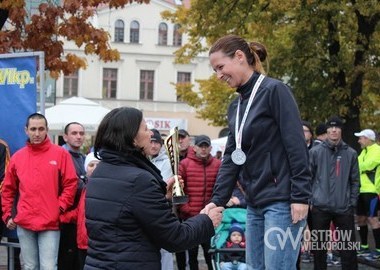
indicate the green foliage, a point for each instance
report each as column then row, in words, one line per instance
column 327, row 51
column 212, row 100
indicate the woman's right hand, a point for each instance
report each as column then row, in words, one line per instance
column 207, row 208
column 216, row 215
column 11, row 224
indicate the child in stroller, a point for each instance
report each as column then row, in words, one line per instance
column 228, row 245
column 234, row 260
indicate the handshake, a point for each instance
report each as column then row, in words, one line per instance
column 215, row 213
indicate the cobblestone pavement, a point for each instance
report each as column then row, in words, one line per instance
column 202, row 266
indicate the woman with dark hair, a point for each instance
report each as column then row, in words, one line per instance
column 266, row 148
column 128, row 214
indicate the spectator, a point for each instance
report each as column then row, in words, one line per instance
column 335, row 185
column 184, row 141
column 321, row 133
column 161, row 160
column 368, row 203
column 308, row 132
column 68, row 256
column 198, row 171
column 43, row 176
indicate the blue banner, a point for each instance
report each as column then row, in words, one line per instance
column 18, row 88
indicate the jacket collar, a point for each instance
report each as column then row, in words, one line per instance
column 40, row 147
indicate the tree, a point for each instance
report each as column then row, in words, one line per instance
column 55, row 24
column 327, row 51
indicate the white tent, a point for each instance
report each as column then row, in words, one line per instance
column 75, row 109
column 218, row 145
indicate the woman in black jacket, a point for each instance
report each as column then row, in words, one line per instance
column 128, row 215
column 266, row 149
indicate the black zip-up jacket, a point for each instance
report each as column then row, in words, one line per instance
column 128, row 218
column 335, row 177
column 276, row 168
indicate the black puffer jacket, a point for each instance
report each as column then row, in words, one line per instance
column 129, row 219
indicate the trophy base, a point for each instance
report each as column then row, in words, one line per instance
column 180, row 199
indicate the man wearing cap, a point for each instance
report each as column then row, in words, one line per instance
column 335, row 189
column 184, row 146
column 184, row 143
column 368, row 203
column 160, row 159
column 198, row 171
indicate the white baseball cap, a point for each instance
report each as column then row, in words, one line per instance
column 368, row 133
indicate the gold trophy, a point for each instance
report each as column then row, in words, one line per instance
column 171, row 146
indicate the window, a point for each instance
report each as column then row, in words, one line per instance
column 134, row 32
column 183, row 78
column 146, row 84
column 119, row 31
column 163, row 34
column 177, row 36
column 109, row 82
column 70, row 85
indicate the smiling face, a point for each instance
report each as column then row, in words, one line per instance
column 142, row 139
column 235, row 70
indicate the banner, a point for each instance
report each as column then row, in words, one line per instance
column 18, row 88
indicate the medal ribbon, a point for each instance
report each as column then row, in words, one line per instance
column 239, row 130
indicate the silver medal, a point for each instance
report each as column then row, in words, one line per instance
column 238, row 157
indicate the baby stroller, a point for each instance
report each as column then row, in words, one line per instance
column 230, row 215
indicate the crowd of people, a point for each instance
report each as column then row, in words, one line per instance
column 112, row 208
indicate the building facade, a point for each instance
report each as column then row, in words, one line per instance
column 146, row 73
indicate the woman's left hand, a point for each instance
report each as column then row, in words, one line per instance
column 299, row 211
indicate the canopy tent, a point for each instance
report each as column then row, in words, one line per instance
column 218, row 145
column 75, row 109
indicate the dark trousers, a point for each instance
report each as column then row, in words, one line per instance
column 344, row 223
column 82, row 257
column 68, row 257
column 181, row 260
column 193, row 256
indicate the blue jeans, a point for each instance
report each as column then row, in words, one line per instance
column 39, row 249
column 272, row 240
column 231, row 266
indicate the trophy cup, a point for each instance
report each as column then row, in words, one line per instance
column 171, row 146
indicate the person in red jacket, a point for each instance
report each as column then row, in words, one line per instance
column 77, row 215
column 198, row 171
column 43, row 178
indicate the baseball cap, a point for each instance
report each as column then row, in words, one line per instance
column 334, row 121
column 368, row 133
column 201, row 139
column 156, row 136
column 183, row 133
